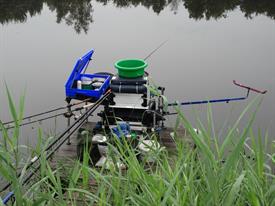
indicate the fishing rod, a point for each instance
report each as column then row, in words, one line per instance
column 66, row 114
column 35, row 121
column 50, row 111
column 60, row 140
column 227, row 100
column 171, row 37
column 155, row 50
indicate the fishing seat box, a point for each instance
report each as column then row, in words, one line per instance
column 73, row 92
column 129, row 93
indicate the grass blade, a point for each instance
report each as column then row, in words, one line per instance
column 233, row 193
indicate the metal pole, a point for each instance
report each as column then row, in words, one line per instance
column 69, row 110
column 86, row 111
column 162, row 106
column 69, row 124
column 154, row 112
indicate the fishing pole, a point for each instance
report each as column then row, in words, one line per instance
column 66, row 114
column 227, row 100
column 50, row 111
column 172, row 35
column 155, row 50
column 61, row 139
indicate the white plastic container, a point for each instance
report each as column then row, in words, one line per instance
column 79, row 84
column 86, row 80
column 147, row 149
column 101, row 140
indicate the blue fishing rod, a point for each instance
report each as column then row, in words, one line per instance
column 226, row 100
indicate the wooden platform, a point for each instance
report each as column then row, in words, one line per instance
column 66, row 156
column 67, row 153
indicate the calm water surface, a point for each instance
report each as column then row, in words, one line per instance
column 210, row 43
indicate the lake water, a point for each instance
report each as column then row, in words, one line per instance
column 210, row 43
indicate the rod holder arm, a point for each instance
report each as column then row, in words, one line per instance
column 225, row 99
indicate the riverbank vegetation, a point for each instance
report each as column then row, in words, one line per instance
column 233, row 170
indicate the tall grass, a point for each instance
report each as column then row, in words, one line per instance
column 227, row 172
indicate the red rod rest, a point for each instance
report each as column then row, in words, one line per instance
column 249, row 88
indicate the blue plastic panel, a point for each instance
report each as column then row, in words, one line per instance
column 78, row 68
column 71, row 86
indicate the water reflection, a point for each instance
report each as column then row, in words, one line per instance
column 18, row 10
column 199, row 9
column 78, row 13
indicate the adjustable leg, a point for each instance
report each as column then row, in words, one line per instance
column 68, row 124
column 69, row 111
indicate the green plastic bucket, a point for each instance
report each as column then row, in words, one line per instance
column 131, row 68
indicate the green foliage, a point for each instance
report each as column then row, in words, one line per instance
column 208, row 172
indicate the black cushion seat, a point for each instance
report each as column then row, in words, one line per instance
column 116, row 80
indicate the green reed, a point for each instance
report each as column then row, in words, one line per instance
column 210, row 171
